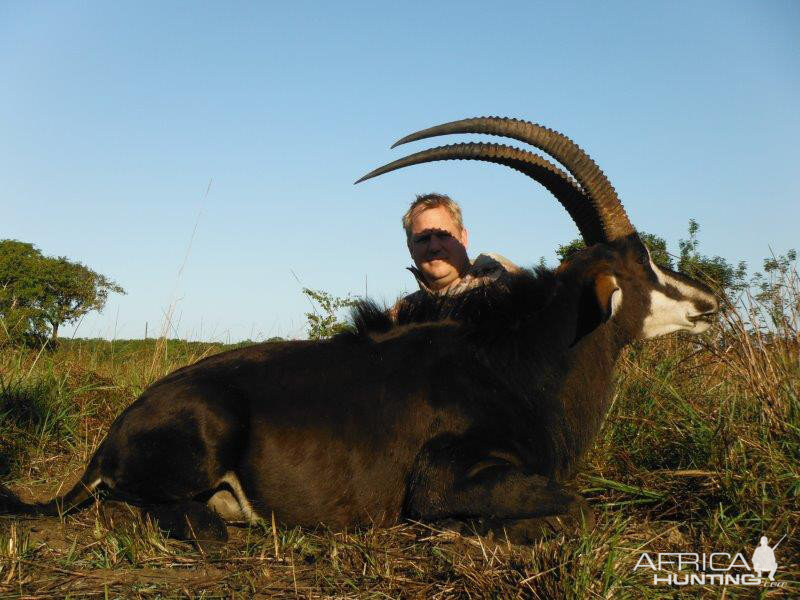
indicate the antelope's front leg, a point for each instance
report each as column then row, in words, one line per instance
column 489, row 493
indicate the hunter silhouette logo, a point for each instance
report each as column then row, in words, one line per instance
column 716, row 568
column 764, row 558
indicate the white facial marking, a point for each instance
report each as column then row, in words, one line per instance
column 616, row 300
column 665, row 280
column 668, row 314
column 232, row 507
column 662, row 278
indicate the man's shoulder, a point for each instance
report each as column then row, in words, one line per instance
column 491, row 262
column 486, row 268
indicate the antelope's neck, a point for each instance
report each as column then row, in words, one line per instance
column 586, row 397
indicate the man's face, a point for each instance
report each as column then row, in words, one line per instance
column 438, row 247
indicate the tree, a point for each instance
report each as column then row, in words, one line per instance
column 777, row 293
column 715, row 271
column 325, row 323
column 656, row 245
column 20, row 288
column 71, row 290
column 38, row 293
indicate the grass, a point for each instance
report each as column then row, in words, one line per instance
column 700, row 453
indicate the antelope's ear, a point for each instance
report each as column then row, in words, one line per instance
column 600, row 300
column 609, row 295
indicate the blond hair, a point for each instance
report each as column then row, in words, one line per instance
column 426, row 201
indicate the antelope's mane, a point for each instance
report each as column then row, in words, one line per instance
column 496, row 308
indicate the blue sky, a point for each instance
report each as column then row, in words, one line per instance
column 115, row 118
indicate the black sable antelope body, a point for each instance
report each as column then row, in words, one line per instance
column 473, row 408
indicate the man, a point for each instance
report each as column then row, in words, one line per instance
column 437, row 241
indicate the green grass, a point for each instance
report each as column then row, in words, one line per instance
column 700, row 453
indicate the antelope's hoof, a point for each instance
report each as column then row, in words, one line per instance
column 190, row 521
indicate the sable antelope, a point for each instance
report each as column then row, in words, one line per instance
column 476, row 407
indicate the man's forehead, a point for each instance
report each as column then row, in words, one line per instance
column 431, row 219
column 429, row 231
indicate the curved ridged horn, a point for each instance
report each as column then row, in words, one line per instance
column 557, row 182
column 608, row 208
